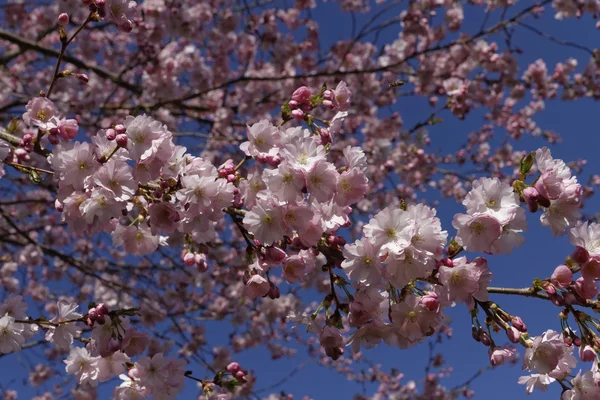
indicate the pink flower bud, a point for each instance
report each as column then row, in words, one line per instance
column 120, row 128
column 83, row 78
column 298, row 114
column 93, row 314
column 126, row 26
column 63, row 19
column 233, row 367
column 241, row 376
column 430, row 302
column 513, row 334
column 189, row 259
column 121, row 140
column 587, row 353
column 68, row 128
column 518, row 323
column 568, row 341
column 102, row 309
column 484, row 338
column 448, row 262
column 257, row 286
column 580, row 255
column 275, row 255
column 562, row 276
column 293, row 104
column 273, row 161
column 549, row 288
column 577, row 341
column 328, row 94
column 111, row 134
column 58, row 205
column 327, row 104
column 302, row 95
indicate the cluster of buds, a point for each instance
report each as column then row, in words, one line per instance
column 300, row 103
column 198, row 260
column 97, row 314
column 271, row 160
column 237, row 371
column 118, row 135
column 227, row 171
column 27, row 142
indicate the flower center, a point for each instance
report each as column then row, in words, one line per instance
column 41, row 115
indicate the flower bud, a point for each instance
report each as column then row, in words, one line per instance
column 111, row 134
column 83, row 78
column 562, row 276
column 485, row 338
column 580, row 255
column 298, row 114
column 102, row 309
column 233, row 367
column 587, row 353
column 188, row 259
column 448, row 262
column 275, row 255
column 63, row 19
column 430, row 302
column 121, row 140
column 241, row 376
column 518, row 323
column 302, row 95
column 93, row 314
column 513, row 334
column 293, row 104
column 120, row 128
column 475, row 334
column 68, row 128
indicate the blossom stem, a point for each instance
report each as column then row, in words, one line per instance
column 27, row 167
column 62, row 52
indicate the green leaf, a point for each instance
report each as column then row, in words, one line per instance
column 527, row 163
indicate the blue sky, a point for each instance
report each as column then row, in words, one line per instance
column 575, row 121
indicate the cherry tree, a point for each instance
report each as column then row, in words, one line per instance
column 165, row 165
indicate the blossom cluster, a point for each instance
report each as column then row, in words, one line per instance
column 111, row 345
